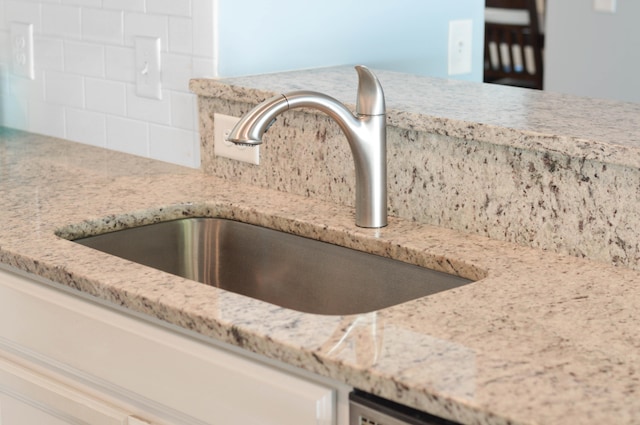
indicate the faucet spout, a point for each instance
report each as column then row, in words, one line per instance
column 365, row 131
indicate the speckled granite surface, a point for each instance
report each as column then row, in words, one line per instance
column 539, row 169
column 540, row 339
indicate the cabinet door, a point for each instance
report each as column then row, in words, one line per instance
column 152, row 367
column 28, row 398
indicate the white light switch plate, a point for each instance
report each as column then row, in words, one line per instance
column 460, row 35
column 22, row 50
column 148, row 67
column 222, row 126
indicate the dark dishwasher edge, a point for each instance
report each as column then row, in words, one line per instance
column 397, row 411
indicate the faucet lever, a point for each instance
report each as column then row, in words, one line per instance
column 370, row 95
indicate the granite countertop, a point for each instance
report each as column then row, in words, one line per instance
column 540, row 338
column 596, row 129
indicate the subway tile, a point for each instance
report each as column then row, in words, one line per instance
column 173, row 145
column 126, row 5
column 34, row 89
column 150, row 110
column 103, row 25
column 48, row 119
column 3, row 25
column 127, row 135
column 136, row 24
column 84, row 58
column 4, row 46
column 180, row 35
column 84, row 3
column 4, row 75
column 23, row 11
column 169, row 7
column 177, row 70
column 203, row 28
column 64, row 89
column 183, row 110
column 120, row 64
column 48, row 53
column 105, row 96
column 86, row 127
column 204, row 68
column 61, row 20
column 15, row 87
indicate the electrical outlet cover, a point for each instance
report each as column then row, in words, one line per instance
column 223, row 124
column 22, row 49
column 460, row 36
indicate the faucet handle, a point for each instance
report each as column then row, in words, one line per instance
column 370, row 95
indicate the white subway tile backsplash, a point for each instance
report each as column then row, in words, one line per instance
column 148, row 110
column 23, row 11
column 103, row 25
column 33, row 89
column 86, row 3
column 203, row 68
column 4, row 70
column 2, row 17
column 127, row 135
column 120, row 64
column 84, row 58
column 183, row 110
column 85, row 73
column 86, row 127
column 49, row 53
column 169, row 7
column 126, row 5
column 64, row 89
column 137, row 24
column 4, row 41
column 61, row 20
column 180, row 35
column 45, row 118
column 172, row 145
column 177, row 70
column 105, row 96
column 203, row 28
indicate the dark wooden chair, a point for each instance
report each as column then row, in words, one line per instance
column 513, row 44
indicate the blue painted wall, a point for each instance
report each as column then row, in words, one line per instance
column 263, row 36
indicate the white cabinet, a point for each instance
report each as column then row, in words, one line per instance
column 65, row 357
column 28, row 397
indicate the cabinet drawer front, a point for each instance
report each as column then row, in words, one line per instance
column 27, row 397
column 140, row 360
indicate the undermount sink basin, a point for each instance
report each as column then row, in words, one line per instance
column 283, row 269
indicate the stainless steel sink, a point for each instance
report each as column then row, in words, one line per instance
column 283, row 269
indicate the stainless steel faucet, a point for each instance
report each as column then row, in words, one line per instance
column 366, row 132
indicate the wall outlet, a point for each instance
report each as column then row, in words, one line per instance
column 148, row 68
column 223, row 124
column 460, row 35
column 22, row 50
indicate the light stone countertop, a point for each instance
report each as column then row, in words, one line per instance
column 595, row 129
column 539, row 339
